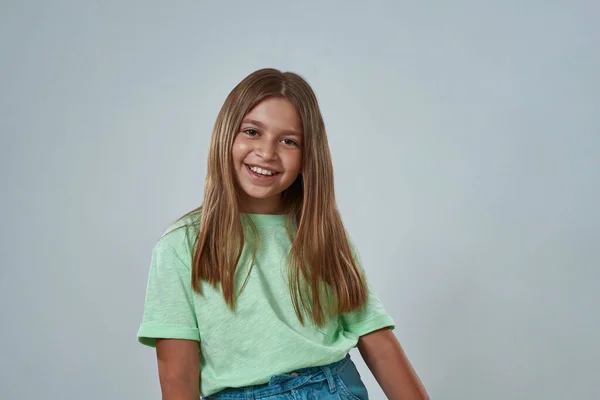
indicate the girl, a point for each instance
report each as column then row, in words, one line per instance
column 259, row 293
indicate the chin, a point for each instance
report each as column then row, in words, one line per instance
column 260, row 196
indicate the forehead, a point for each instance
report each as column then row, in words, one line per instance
column 275, row 113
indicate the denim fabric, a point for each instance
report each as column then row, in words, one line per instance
column 339, row 381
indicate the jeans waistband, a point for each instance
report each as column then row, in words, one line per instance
column 285, row 382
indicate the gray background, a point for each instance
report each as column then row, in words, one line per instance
column 466, row 143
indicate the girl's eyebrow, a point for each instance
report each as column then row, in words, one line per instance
column 253, row 122
column 262, row 126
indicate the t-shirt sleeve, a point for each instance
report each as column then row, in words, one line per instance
column 169, row 307
column 372, row 316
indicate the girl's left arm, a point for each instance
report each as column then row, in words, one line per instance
column 386, row 359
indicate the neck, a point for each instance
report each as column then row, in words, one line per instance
column 272, row 205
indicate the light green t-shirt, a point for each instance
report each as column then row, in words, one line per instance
column 263, row 337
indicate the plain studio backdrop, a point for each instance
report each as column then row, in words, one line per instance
column 466, row 145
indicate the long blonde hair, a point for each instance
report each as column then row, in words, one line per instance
column 325, row 279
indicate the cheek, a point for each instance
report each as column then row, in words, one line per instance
column 294, row 163
column 239, row 151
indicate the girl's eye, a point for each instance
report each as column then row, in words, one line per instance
column 251, row 132
column 290, row 142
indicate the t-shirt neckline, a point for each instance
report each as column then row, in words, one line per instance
column 267, row 219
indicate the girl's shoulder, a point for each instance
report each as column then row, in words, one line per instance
column 180, row 237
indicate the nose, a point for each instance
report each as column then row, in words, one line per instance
column 266, row 149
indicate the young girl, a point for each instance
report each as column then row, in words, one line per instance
column 259, row 293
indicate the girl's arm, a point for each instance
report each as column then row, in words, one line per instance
column 178, row 369
column 387, row 361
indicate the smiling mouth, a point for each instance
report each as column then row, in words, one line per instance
column 260, row 172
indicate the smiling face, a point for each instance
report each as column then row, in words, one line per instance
column 267, row 155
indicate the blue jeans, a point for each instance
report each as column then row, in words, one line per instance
column 339, row 380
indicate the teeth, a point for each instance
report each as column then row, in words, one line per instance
column 261, row 171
